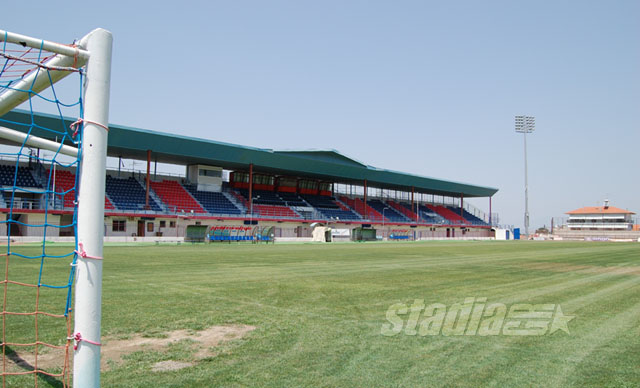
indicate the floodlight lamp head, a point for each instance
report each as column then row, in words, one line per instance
column 525, row 124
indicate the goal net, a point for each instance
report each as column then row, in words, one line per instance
column 53, row 135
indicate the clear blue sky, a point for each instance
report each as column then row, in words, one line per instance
column 427, row 87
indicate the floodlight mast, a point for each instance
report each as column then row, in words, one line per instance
column 524, row 125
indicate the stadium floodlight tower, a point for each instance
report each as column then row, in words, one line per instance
column 524, row 125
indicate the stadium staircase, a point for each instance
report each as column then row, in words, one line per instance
column 175, row 197
column 240, row 198
column 430, row 217
column 292, row 199
column 214, row 202
column 40, row 173
column 389, row 212
column 267, row 204
column 108, row 205
column 65, row 181
column 275, row 211
column 454, row 218
column 329, row 208
column 232, row 198
column 372, row 213
column 361, row 208
column 163, row 206
column 344, row 207
column 470, row 218
column 405, row 209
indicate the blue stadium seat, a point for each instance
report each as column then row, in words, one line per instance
column 24, row 177
column 328, row 207
column 468, row 216
column 128, row 194
column 431, row 217
column 390, row 213
column 213, row 202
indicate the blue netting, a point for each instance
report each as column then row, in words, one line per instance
column 38, row 194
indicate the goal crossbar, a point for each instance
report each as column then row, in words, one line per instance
column 68, row 58
column 37, row 142
column 53, row 47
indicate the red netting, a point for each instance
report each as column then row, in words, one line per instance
column 31, row 356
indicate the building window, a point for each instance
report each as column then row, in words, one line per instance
column 210, row 173
column 119, row 226
column 163, row 224
column 263, row 180
column 149, row 226
column 241, row 177
column 172, row 224
column 304, row 184
column 324, row 186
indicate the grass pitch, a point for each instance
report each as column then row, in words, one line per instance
column 319, row 309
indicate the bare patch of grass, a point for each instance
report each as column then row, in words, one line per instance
column 201, row 343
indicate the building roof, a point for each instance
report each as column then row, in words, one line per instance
column 332, row 156
column 600, row 210
column 326, row 165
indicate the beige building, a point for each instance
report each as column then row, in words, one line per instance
column 600, row 218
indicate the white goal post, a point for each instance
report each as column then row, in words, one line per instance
column 93, row 53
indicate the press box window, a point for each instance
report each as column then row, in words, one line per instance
column 210, row 173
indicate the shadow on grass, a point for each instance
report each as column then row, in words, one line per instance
column 22, row 363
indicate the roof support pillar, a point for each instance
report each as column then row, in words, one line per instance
column 251, row 189
column 461, row 205
column 366, row 216
column 413, row 190
column 146, row 200
column 490, row 211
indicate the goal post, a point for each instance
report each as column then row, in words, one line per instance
column 91, row 190
column 34, row 67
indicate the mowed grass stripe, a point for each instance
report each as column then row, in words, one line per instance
column 297, row 264
column 318, row 310
column 392, row 276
